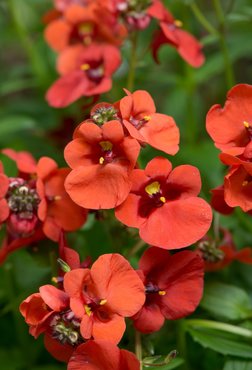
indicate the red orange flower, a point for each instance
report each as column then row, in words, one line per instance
column 56, row 209
column 171, row 33
column 64, row 4
column 87, row 72
column 218, row 202
column 173, row 287
column 139, row 116
column 102, row 296
column 98, row 354
column 18, row 196
column 11, row 244
column 237, row 183
column 25, row 162
column 164, row 205
column 230, row 127
column 34, row 204
column 102, row 159
column 48, row 312
column 4, row 186
column 81, row 25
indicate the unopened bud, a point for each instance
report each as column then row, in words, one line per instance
column 63, row 265
column 173, row 354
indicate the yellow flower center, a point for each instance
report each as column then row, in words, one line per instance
column 85, row 67
column 88, row 310
column 106, row 145
column 162, row 292
column 153, row 188
column 178, row 23
column 85, row 28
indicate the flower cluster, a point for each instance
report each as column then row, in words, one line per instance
column 103, row 157
column 89, row 50
column 34, row 204
column 85, row 319
column 230, row 128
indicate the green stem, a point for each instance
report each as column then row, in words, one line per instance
column 138, row 348
column 202, row 19
column 230, row 7
column 132, row 62
column 216, row 226
column 181, row 343
column 243, row 218
column 54, row 264
column 220, row 326
column 12, row 296
column 191, row 130
column 219, row 12
column 35, row 58
column 227, row 62
column 139, row 245
column 220, row 33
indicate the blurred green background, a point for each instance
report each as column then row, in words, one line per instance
column 27, row 123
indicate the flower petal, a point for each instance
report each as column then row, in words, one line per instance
column 96, row 355
column 162, row 133
column 67, row 89
column 62, row 352
column 111, row 330
column 183, row 280
column 158, row 167
column 118, row 283
column 226, row 125
column 128, row 213
column 149, row 319
column 55, row 298
column 180, row 223
column 4, row 210
column 98, row 186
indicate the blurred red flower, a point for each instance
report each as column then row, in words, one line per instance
column 171, row 33
column 86, row 71
column 81, row 25
column 218, row 254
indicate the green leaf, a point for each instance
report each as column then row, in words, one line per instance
column 14, row 123
column 238, row 365
column 223, row 343
column 10, row 167
column 49, row 367
column 12, row 86
column 226, row 301
column 176, row 362
column 12, row 359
